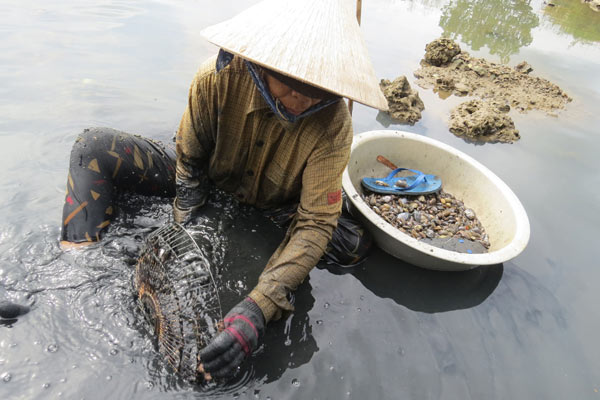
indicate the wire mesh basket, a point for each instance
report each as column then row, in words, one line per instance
column 178, row 295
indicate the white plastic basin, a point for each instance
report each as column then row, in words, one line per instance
column 496, row 206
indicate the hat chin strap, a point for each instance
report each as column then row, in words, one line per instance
column 279, row 112
column 282, row 113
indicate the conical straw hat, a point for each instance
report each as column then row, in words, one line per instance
column 315, row 41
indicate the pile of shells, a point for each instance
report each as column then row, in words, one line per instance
column 431, row 216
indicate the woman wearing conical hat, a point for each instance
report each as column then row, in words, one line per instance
column 265, row 121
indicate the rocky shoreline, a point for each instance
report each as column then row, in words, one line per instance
column 500, row 88
column 446, row 67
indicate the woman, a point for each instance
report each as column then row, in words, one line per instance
column 265, row 122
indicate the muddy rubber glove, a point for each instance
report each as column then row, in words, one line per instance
column 244, row 326
column 191, row 188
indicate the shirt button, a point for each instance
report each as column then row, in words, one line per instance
column 250, row 172
column 259, row 143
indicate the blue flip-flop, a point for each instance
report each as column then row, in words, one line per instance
column 408, row 185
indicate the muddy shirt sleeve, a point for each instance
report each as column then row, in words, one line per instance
column 312, row 227
column 195, row 139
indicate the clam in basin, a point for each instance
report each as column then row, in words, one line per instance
column 497, row 207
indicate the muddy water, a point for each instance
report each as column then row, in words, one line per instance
column 524, row 329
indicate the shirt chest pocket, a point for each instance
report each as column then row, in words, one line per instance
column 275, row 174
column 280, row 184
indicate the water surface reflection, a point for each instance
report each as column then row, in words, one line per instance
column 502, row 26
column 574, row 18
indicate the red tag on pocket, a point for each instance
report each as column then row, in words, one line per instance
column 334, row 197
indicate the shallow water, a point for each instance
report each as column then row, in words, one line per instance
column 524, row 329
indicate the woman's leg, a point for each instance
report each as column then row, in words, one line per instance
column 103, row 163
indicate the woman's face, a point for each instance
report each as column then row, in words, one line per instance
column 294, row 102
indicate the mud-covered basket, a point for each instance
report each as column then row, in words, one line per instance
column 178, row 296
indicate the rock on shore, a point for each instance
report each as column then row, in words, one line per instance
column 483, row 121
column 404, row 103
column 445, row 67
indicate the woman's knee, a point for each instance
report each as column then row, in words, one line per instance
column 90, row 149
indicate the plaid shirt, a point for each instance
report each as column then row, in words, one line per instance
column 229, row 134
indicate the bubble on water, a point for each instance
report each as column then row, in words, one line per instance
column 357, row 308
column 108, row 377
column 319, row 321
column 342, row 377
column 6, row 377
column 326, row 305
column 52, row 348
column 46, row 385
column 288, row 342
column 113, row 352
column 12, row 345
column 295, row 382
column 74, row 366
column 331, row 368
column 63, row 380
column 362, row 297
